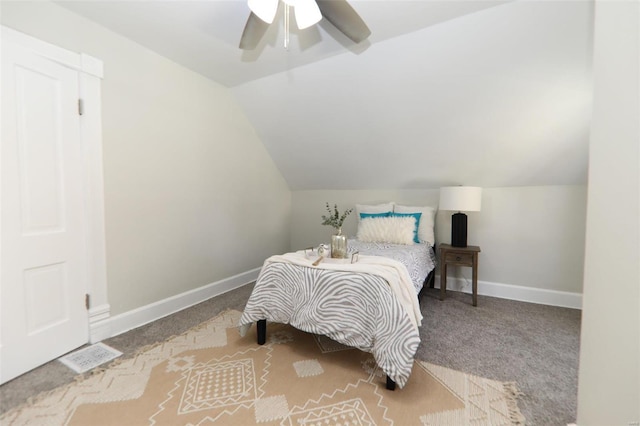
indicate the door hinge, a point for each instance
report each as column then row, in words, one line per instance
column 87, row 301
column 80, row 107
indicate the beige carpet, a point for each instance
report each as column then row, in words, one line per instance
column 210, row 375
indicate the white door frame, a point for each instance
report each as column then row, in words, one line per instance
column 90, row 74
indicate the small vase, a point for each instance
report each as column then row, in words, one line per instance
column 339, row 245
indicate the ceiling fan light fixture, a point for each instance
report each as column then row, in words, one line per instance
column 264, row 9
column 307, row 13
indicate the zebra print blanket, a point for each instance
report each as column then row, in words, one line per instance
column 355, row 309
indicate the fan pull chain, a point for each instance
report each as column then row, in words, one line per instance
column 286, row 26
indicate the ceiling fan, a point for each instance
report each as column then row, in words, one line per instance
column 307, row 12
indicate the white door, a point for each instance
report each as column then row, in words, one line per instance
column 43, row 230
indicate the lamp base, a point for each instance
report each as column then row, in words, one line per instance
column 459, row 230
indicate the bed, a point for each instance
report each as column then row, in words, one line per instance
column 369, row 304
column 419, row 259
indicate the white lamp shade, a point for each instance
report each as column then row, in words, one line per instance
column 461, row 198
column 307, row 13
column 264, row 9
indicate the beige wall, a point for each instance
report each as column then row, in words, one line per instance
column 309, row 206
column 529, row 236
column 609, row 376
column 191, row 195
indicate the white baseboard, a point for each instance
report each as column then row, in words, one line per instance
column 99, row 325
column 515, row 292
column 102, row 326
column 122, row 323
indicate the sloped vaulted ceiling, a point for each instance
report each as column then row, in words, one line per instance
column 500, row 97
column 444, row 92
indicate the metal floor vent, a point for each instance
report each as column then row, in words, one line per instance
column 90, row 357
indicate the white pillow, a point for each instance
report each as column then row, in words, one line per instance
column 378, row 208
column 427, row 222
column 396, row 230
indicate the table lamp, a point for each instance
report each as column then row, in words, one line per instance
column 460, row 198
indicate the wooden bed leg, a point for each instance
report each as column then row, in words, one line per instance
column 391, row 385
column 262, row 331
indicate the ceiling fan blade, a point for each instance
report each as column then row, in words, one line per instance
column 254, row 30
column 344, row 18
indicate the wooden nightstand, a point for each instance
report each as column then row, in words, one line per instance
column 458, row 256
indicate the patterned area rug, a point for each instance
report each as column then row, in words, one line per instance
column 211, row 375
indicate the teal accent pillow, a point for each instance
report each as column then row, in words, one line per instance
column 366, row 215
column 415, row 230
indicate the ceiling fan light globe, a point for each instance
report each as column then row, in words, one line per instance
column 264, row 9
column 307, row 13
